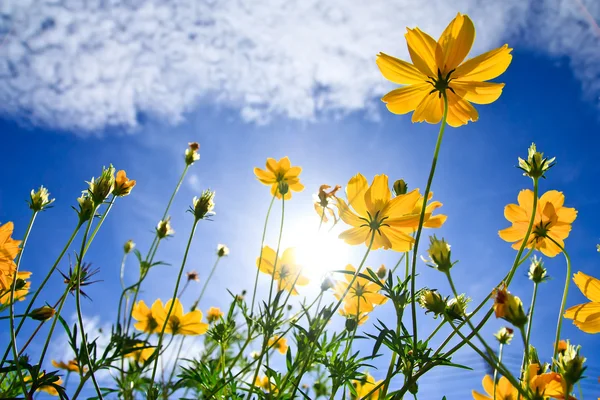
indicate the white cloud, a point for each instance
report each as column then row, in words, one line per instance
column 89, row 65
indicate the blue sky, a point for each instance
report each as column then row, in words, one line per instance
column 549, row 98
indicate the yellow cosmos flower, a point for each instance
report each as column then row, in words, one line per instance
column 265, row 384
column 504, row 390
column 548, row 385
column 287, row 270
column 146, row 321
column 142, row 355
column 179, row 322
column 123, row 185
column 279, row 343
column 372, row 209
column 280, row 172
column 360, row 318
column 213, row 314
column 552, row 220
column 46, row 388
column 19, row 293
column 438, row 68
column 71, row 366
column 362, row 296
column 9, row 248
column 323, row 203
column 364, row 387
column 586, row 316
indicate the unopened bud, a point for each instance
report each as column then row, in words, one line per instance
column 537, row 272
column 43, row 313
column 222, row 250
column 456, row 308
column 163, row 229
column 382, row 272
column 283, row 188
column 439, row 254
column 86, row 207
column 351, row 324
column 400, row 187
column 202, row 207
column 433, row 302
column 128, row 246
column 504, row 335
column 191, row 153
column 100, row 188
column 536, row 165
column 570, row 364
column 509, row 307
column 326, row 284
column 39, row 200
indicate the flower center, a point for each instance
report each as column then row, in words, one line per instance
column 441, row 83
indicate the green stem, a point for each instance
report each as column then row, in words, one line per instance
column 436, row 330
column 563, row 303
column 500, row 349
column 398, row 263
column 277, row 251
column 529, row 324
column 164, row 327
column 413, row 303
column 212, row 271
column 13, row 336
column 99, row 224
column 262, row 245
column 390, row 371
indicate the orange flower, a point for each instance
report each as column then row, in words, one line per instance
column 123, row 185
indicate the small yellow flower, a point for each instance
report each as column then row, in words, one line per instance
column 280, row 172
column 21, row 291
column 586, row 316
column 71, row 366
column 123, row 185
column 438, row 69
column 47, row 388
column 364, row 387
column 509, row 307
column 504, row 390
column 363, row 295
column 265, row 384
column 146, row 320
column 322, row 203
column 278, row 343
column 214, row 314
column 374, row 210
column 9, row 248
column 142, row 355
column 179, row 322
column 552, row 220
column 548, row 385
column 288, row 273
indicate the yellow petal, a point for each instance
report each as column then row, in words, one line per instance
column 288, row 257
column 479, row 396
column 436, row 221
column 422, row 48
column 406, row 99
column 581, row 312
column 460, row 111
column 430, row 109
column 347, row 215
column 589, row 286
column 265, row 263
column 378, row 194
column 355, row 191
column 455, row 43
column 399, row 71
column 478, row 92
column 514, row 213
column 556, row 198
column 590, row 325
column 399, row 240
column 488, row 385
column 380, row 240
column 549, row 248
column 403, row 204
column 272, row 165
column 284, row 164
column 525, row 200
column 512, row 234
column 486, row 66
column 354, row 236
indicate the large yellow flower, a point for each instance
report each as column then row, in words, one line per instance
column 364, row 387
column 179, row 322
column 392, row 219
column 280, row 172
column 586, row 316
column 19, row 293
column 146, row 320
column 504, row 390
column 287, row 270
column 9, row 248
column 438, row 67
column 362, row 296
column 552, row 220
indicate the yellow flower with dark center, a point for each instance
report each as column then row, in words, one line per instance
column 21, row 291
column 323, row 202
column 364, row 387
column 504, row 390
column 288, row 273
column 146, row 320
column 278, row 172
column 213, row 314
column 372, row 209
column 278, row 343
column 552, row 220
column 71, row 366
column 362, row 296
column 123, row 185
column 179, row 322
column 141, row 355
column 438, row 68
column 9, row 248
column 586, row 316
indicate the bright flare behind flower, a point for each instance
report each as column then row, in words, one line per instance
column 438, row 67
column 552, row 220
column 179, row 322
column 586, row 316
column 287, row 270
column 280, row 171
column 372, row 209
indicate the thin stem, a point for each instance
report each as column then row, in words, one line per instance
column 13, row 336
column 212, row 271
column 277, row 251
column 164, row 327
column 563, row 303
column 398, row 263
column 100, row 222
column 413, row 303
column 390, row 371
column 500, row 349
column 529, row 324
column 436, row 330
column 262, row 245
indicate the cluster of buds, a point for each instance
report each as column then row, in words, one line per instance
column 400, row 187
column 222, row 250
column 570, row 364
column 100, row 188
column 40, row 200
column 509, row 307
column 537, row 272
column 191, row 153
column 536, row 165
column 504, row 335
column 439, row 255
column 203, row 206
column 163, row 229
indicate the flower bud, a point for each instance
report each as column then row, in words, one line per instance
column 433, row 302
column 283, row 188
column 86, row 207
column 351, row 324
column 43, row 313
column 191, row 153
column 100, row 188
column 123, row 185
column 570, row 364
column 439, row 254
column 214, row 314
column 40, row 200
column 193, row 276
column 456, row 308
column 382, row 272
column 400, row 187
column 509, row 307
column 203, row 206
column 163, row 229
column 536, row 165
column 326, row 284
column 128, row 246
column 222, row 250
column 504, row 335
column 413, row 388
column 537, row 272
